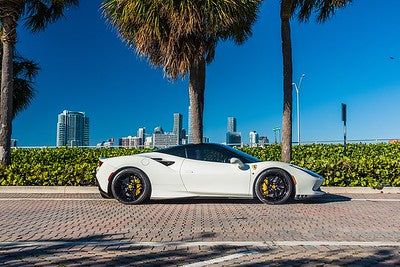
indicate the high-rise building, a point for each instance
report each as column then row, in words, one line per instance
column 14, row 142
column 233, row 138
column 72, row 129
column 263, row 140
column 177, row 130
column 148, row 143
column 189, row 133
column 141, row 134
column 254, row 138
column 130, row 142
column 231, row 124
column 163, row 140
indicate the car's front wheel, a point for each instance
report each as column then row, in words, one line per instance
column 274, row 186
column 131, row 186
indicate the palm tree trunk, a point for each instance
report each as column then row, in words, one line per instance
column 8, row 39
column 286, row 9
column 197, row 80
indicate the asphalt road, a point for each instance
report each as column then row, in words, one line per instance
column 83, row 229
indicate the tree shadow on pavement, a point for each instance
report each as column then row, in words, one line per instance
column 339, row 257
column 101, row 250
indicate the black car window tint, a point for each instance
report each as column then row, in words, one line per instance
column 175, row 151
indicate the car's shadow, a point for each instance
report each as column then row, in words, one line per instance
column 328, row 198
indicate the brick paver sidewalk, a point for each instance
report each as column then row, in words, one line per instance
column 85, row 229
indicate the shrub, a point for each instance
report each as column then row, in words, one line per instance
column 372, row 165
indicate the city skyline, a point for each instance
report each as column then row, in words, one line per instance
column 362, row 76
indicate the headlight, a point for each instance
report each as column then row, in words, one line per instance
column 307, row 171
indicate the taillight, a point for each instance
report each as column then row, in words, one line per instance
column 100, row 163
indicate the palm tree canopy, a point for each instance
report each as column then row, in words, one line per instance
column 177, row 33
column 322, row 9
column 36, row 14
column 25, row 72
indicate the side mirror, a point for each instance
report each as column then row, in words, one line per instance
column 238, row 162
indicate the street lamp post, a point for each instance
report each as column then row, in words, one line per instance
column 298, row 107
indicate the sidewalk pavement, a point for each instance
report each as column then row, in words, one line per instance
column 94, row 189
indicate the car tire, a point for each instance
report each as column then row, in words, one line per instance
column 131, row 186
column 274, row 186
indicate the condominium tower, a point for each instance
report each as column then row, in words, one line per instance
column 231, row 124
column 178, row 127
column 72, row 129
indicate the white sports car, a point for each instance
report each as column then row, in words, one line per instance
column 203, row 170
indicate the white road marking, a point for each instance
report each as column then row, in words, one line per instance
column 104, row 199
column 377, row 199
column 57, row 199
column 221, row 259
column 293, row 243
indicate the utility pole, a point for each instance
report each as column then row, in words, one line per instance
column 344, row 119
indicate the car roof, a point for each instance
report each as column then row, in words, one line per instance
column 190, row 145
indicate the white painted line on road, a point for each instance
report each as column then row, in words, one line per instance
column 221, row 259
column 104, row 199
column 377, row 199
column 56, row 199
column 291, row 243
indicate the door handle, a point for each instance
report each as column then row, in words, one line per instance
column 187, row 171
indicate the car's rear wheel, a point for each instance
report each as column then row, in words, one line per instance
column 274, row 186
column 131, row 186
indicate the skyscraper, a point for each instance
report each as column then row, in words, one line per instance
column 231, row 124
column 189, row 133
column 254, row 138
column 72, row 129
column 233, row 137
column 178, row 127
column 141, row 134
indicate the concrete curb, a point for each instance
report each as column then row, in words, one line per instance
column 94, row 189
column 360, row 190
column 49, row 189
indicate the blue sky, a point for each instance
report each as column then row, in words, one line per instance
column 86, row 67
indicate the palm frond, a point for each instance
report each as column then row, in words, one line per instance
column 25, row 71
column 39, row 13
column 175, row 34
column 321, row 9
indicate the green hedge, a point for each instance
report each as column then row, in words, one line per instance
column 371, row 165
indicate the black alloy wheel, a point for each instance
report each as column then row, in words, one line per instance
column 131, row 186
column 274, row 186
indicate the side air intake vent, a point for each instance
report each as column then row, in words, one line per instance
column 165, row 162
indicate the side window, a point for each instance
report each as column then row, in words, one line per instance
column 208, row 154
column 175, row 151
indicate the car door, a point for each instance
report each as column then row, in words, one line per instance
column 207, row 171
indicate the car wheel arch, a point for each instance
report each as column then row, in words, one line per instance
column 274, row 168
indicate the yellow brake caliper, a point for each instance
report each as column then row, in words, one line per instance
column 264, row 187
column 138, row 184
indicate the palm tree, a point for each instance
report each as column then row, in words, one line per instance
column 36, row 14
column 24, row 73
column 181, row 36
column 303, row 10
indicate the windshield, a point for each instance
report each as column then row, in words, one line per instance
column 246, row 158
